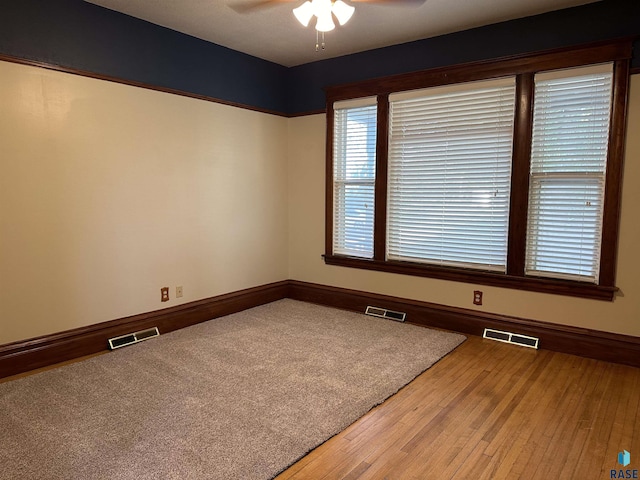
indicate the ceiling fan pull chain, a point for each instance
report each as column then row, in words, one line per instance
column 318, row 41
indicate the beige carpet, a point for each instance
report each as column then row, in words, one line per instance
column 239, row 397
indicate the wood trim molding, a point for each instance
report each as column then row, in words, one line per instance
column 322, row 111
column 328, row 193
column 523, row 67
column 23, row 356
column 453, row 274
column 565, row 57
column 613, row 182
column 132, row 83
column 27, row 355
column 522, row 138
column 599, row 345
column 382, row 170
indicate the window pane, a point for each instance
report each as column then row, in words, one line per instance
column 566, row 235
column 449, row 175
column 353, row 222
column 568, row 163
column 354, row 153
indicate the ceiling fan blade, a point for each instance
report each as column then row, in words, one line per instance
column 392, row 2
column 250, row 6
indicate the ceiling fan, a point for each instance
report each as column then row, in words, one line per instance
column 323, row 10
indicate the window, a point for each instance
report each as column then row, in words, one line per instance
column 354, row 151
column 500, row 173
column 568, row 162
column 449, row 174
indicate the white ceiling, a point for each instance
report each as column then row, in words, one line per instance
column 274, row 34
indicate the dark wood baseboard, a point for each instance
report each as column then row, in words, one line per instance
column 598, row 345
column 48, row 350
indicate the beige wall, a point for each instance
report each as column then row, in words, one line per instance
column 306, row 244
column 110, row 192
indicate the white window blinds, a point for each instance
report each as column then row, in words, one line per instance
column 449, row 174
column 354, row 166
column 568, row 162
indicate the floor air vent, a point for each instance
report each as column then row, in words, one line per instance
column 131, row 338
column 384, row 313
column 508, row 337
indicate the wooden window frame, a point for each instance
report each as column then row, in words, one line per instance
column 523, row 67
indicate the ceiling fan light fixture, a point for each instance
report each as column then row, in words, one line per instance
column 325, row 23
column 342, row 11
column 321, row 7
column 324, row 11
column 304, row 13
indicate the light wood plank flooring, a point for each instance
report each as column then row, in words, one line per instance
column 492, row 411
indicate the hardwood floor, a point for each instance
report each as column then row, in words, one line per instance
column 492, row 411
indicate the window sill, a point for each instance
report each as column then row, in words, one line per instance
column 544, row 285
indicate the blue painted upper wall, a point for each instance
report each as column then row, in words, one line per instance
column 83, row 36
column 605, row 20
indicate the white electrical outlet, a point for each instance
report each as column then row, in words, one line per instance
column 178, row 292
